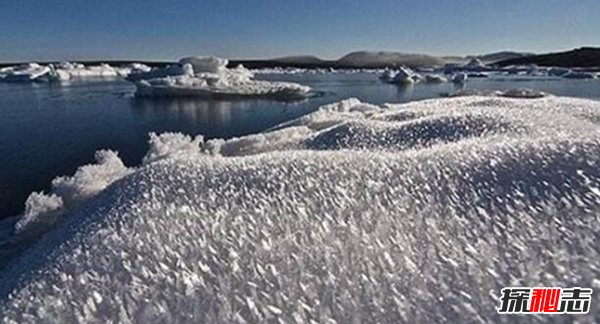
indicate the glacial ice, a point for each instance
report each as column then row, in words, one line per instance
column 418, row 212
column 209, row 77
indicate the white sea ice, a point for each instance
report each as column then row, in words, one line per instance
column 401, row 75
column 209, row 77
column 42, row 211
column 23, row 73
column 418, row 212
column 209, row 64
column 168, row 144
column 460, row 77
column 66, row 71
column 161, row 72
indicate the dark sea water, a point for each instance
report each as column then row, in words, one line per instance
column 48, row 130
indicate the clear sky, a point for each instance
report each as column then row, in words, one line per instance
column 169, row 29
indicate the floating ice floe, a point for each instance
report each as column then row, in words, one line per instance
column 401, row 76
column 209, row 77
column 460, row 77
column 161, row 72
column 420, row 212
column 65, row 71
column 23, row 73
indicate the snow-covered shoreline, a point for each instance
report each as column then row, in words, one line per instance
column 417, row 212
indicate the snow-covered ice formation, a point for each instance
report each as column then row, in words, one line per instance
column 419, row 212
column 210, row 77
column 401, row 75
column 66, row 71
column 161, row 72
column 23, row 73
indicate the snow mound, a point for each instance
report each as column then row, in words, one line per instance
column 419, row 212
column 167, row 144
column 209, row 77
column 41, row 211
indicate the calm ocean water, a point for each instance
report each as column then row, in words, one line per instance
column 48, row 130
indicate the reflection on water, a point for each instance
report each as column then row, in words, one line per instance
column 216, row 118
column 188, row 110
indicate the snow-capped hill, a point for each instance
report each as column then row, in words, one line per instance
column 385, row 59
column 418, row 212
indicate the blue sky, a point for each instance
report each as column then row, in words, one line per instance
column 121, row 29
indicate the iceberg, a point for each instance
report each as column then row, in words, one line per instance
column 209, row 77
column 354, row 212
column 209, row 64
column 460, row 77
column 160, row 72
column 402, row 75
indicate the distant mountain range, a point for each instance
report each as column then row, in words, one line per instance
column 581, row 57
column 372, row 59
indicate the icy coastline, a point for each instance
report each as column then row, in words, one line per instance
column 417, row 212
